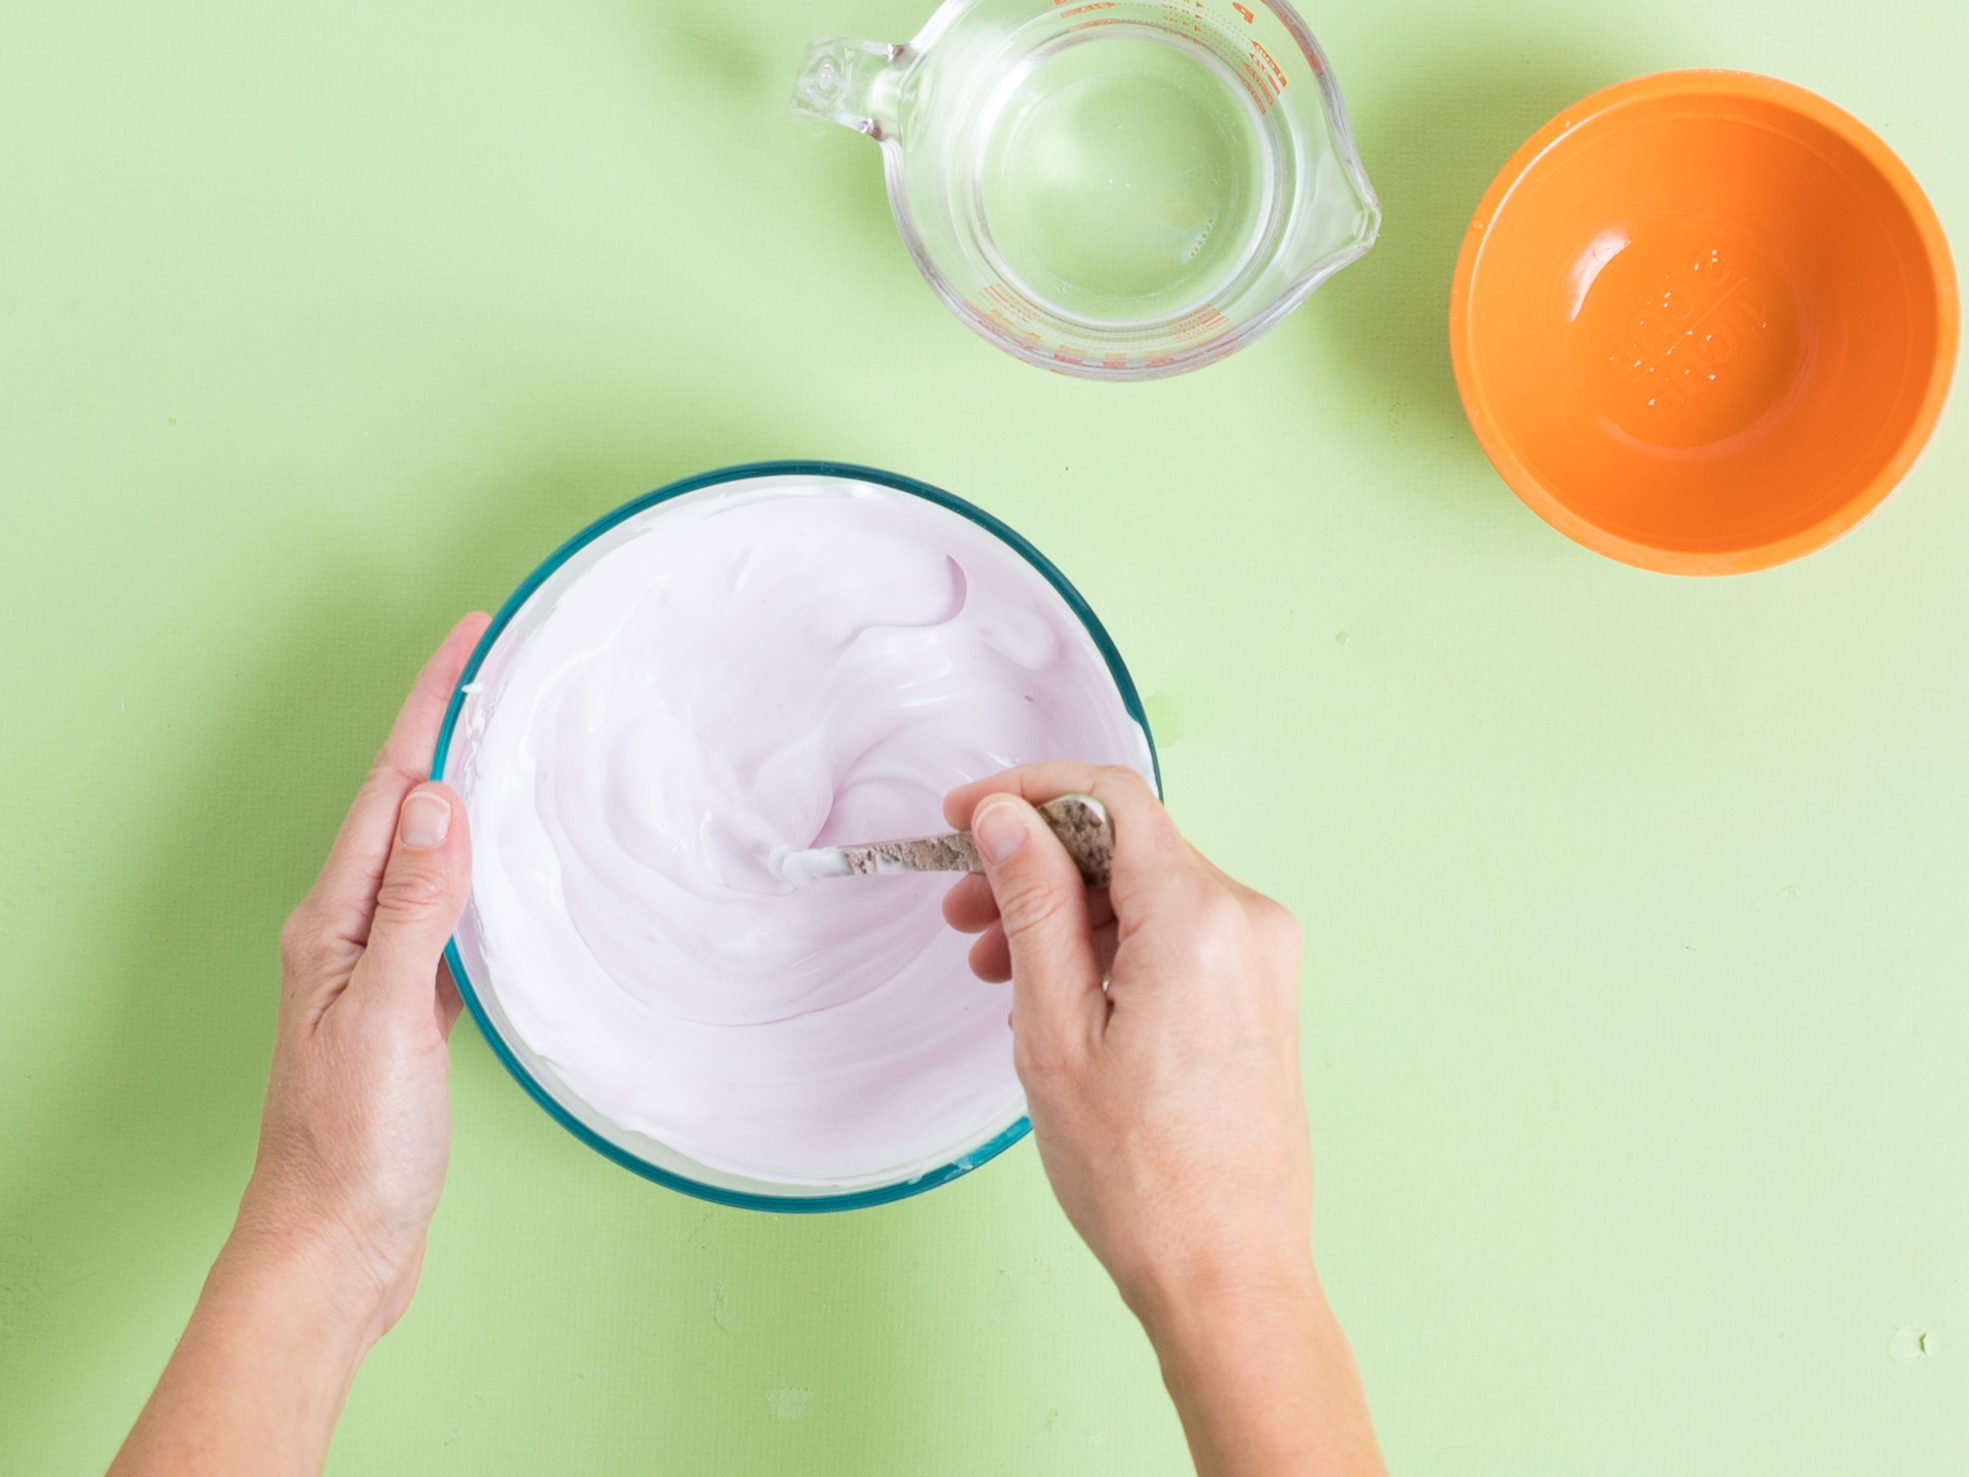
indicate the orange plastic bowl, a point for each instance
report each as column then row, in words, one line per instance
column 1704, row 322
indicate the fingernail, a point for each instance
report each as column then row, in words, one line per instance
column 424, row 821
column 1000, row 832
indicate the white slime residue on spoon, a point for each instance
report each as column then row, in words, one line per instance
column 785, row 665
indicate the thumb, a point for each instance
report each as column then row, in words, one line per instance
column 1057, row 1001
column 423, row 891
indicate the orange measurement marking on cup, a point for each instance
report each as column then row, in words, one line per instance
column 1272, row 67
column 1205, row 322
column 1009, row 301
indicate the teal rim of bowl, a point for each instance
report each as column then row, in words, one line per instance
column 1131, row 702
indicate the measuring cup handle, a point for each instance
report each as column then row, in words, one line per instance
column 852, row 83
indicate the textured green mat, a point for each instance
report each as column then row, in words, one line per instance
column 1639, row 977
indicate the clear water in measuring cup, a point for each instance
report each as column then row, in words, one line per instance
column 1118, row 189
column 1122, row 176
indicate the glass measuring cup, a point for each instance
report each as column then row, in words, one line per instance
column 1116, row 189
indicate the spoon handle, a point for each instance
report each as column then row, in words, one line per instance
column 1080, row 821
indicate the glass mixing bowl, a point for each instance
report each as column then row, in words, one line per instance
column 464, row 726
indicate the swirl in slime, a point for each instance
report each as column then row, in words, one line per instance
column 786, row 663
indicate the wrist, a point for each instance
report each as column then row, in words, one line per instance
column 1261, row 1374
column 258, row 1379
column 1180, row 1301
column 329, row 1279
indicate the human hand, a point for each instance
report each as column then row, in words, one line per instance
column 357, row 1127
column 1167, row 1107
column 354, row 1138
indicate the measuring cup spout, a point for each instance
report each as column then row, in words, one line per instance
column 853, row 83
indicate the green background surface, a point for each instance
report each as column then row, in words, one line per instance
column 1638, row 985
